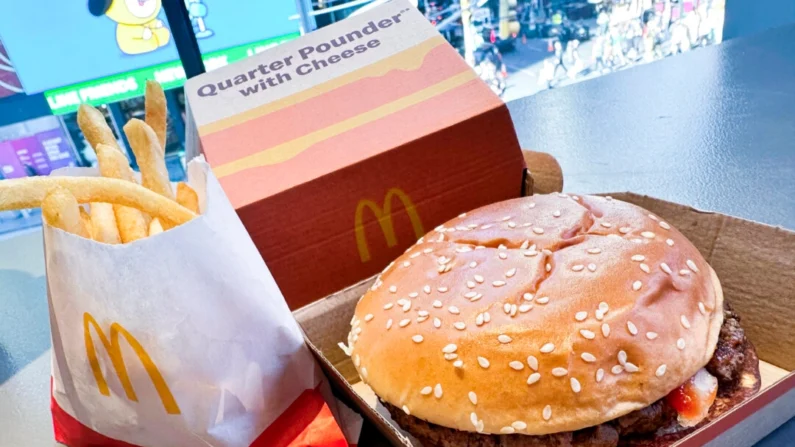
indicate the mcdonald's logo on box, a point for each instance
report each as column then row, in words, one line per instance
column 369, row 132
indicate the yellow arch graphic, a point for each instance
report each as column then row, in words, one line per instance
column 384, row 216
column 113, row 349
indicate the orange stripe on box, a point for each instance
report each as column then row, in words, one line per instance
column 410, row 59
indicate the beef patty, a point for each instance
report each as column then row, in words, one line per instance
column 653, row 426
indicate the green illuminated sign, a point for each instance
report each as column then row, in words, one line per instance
column 132, row 83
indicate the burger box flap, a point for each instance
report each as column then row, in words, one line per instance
column 756, row 266
column 341, row 148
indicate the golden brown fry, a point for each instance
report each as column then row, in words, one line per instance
column 155, row 227
column 103, row 223
column 60, row 209
column 157, row 111
column 95, row 128
column 86, row 219
column 29, row 192
column 131, row 222
column 187, row 197
column 151, row 162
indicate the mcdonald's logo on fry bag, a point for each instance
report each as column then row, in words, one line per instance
column 113, row 349
column 384, row 216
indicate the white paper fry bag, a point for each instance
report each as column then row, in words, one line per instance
column 179, row 339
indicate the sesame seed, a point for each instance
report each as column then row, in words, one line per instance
column 417, row 338
column 580, row 316
column 437, row 391
column 680, row 344
column 414, row 255
column 653, row 217
column 637, row 285
column 473, row 418
column 638, row 258
column 701, row 308
column 622, row 357
column 525, row 307
column 406, row 410
column 442, row 289
column 592, row 267
column 389, row 324
column 647, row 234
column 473, row 264
column 357, row 330
column 599, row 314
column 451, row 356
column 632, row 328
column 538, row 230
column 651, row 335
column 405, row 322
column 559, row 372
column 684, row 272
column 392, row 289
column 637, row 241
column 547, row 348
column 470, row 295
column 587, row 334
column 575, row 385
column 368, row 317
column 519, row 425
column 427, row 250
column 692, row 266
column 588, row 357
column 422, row 318
column 670, row 242
column 631, row 367
column 406, row 306
column 624, row 230
column 665, row 226
column 503, row 255
column 507, row 430
column 506, row 218
column 422, row 313
column 506, row 308
column 542, row 300
column 532, row 362
column 524, row 245
column 406, row 264
column 511, row 224
column 685, row 322
column 578, row 267
column 502, row 338
column 606, row 224
column 530, row 253
column 594, row 251
column 617, row 369
column 427, row 289
column 486, row 226
column 479, row 319
column 471, row 284
column 548, row 267
column 460, row 325
column 600, row 374
column 513, row 310
column 458, row 364
column 483, row 362
column 498, row 283
column 535, row 377
column 388, row 306
column 517, row 365
column 479, row 279
column 556, row 213
column 664, row 267
column 547, row 413
column 486, row 317
column 437, row 304
column 605, row 329
column 527, row 297
column 603, row 306
column 441, row 238
column 426, row 391
column 473, row 398
column 476, row 297
column 660, row 371
column 645, row 268
column 462, row 215
column 453, row 310
column 510, row 273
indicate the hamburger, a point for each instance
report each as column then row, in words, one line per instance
column 552, row 320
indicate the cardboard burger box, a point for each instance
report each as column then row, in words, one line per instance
column 757, row 272
column 341, row 148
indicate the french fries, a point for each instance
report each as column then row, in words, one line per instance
column 120, row 209
column 187, row 197
column 157, row 111
column 113, row 164
column 60, row 209
column 151, row 161
column 30, row 192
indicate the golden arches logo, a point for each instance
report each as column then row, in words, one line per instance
column 113, row 349
column 384, row 216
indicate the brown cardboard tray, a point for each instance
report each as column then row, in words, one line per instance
column 756, row 266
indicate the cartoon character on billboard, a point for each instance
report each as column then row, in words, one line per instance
column 138, row 29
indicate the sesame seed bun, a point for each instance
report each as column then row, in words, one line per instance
column 538, row 315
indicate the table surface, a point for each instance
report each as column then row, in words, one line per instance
column 714, row 128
